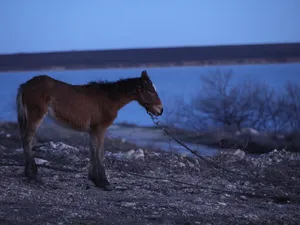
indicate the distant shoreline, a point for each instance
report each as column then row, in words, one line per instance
column 87, row 67
column 153, row 57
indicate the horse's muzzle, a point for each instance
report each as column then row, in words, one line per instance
column 157, row 110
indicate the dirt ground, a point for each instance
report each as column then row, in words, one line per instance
column 151, row 186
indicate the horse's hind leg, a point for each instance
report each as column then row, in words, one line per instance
column 31, row 169
column 34, row 119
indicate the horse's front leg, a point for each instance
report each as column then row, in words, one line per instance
column 97, row 171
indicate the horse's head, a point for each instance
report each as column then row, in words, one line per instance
column 147, row 95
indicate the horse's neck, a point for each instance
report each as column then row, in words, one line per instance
column 117, row 96
column 125, row 96
column 124, row 100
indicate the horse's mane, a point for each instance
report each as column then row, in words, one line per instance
column 124, row 86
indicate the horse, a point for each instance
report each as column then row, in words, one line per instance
column 90, row 108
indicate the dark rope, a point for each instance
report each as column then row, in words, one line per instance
column 275, row 198
column 254, row 177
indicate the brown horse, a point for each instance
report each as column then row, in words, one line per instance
column 88, row 108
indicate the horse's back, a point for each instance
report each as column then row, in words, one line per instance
column 42, row 82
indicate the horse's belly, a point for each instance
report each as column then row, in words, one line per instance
column 71, row 121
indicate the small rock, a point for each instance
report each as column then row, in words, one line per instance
column 243, row 197
column 129, row 154
column 74, row 158
column 8, row 135
column 77, row 175
column 156, row 154
column 191, row 159
column 165, row 181
column 119, row 155
column 249, row 131
column 252, row 216
column 197, row 162
column 231, row 186
column 222, row 203
column 39, row 161
column 139, row 154
column 182, row 155
column 128, row 204
column 190, row 164
column 181, row 164
column 241, row 154
column 247, row 183
column 107, row 153
column 132, row 154
column 60, row 146
column 121, row 188
column 19, row 150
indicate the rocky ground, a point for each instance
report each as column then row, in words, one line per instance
column 152, row 186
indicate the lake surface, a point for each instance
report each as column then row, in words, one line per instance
column 170, row 83
column 155, row 139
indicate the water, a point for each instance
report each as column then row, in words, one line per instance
column 155, row 139
column 170, row 83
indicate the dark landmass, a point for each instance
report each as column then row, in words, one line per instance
column 152, row 187
column 153, row 57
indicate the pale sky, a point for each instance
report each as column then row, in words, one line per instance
column 59, row 25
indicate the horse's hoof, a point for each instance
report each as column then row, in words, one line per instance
column 35, row 178
column 106, row 187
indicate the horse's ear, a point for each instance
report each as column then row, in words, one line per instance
column 144, row 74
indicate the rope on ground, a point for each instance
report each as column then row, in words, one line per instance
column 156, row 121
column 275, row 198
column 56, row 168
column 254, row 177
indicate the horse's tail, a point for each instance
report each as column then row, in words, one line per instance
column 21, row 110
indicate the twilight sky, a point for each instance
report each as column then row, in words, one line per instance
column 56, row 25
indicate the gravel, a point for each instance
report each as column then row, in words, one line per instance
column 151, row 187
